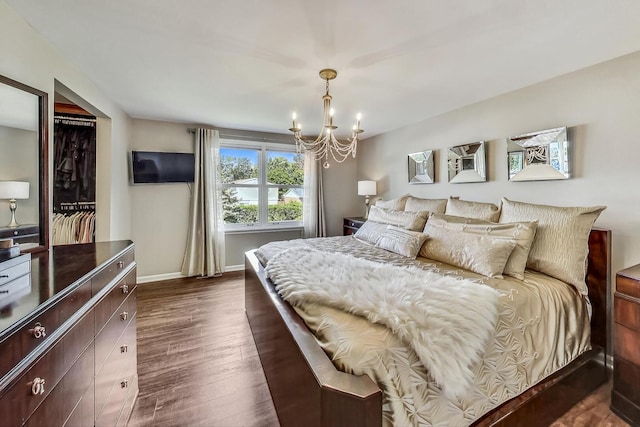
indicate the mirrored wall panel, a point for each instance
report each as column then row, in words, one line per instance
column 467, row 163
column 421, row 167
column 538, row 156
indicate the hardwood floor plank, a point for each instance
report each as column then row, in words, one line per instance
column 199, row 366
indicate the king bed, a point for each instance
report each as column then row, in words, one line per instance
column 333, row 361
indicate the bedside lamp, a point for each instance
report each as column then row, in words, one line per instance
column 366, row 188
column 13, row 190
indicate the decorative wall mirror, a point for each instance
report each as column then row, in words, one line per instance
column 538, row 156
column 23, row 165
column 421, row 168
column 467, row 163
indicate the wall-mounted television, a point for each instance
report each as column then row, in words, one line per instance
column 152, row 167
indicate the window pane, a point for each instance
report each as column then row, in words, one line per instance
column 285, row 168
column 285, row 204
column 240, row 205
column 239, row 165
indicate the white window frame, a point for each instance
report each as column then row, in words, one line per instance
column 263, row 224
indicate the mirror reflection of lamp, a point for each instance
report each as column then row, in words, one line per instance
column 13, row 190
column 366, row 188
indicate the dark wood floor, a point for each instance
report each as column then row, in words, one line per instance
column 198, row 364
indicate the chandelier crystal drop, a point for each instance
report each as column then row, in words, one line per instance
column 326, row 145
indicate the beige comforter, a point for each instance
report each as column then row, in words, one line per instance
column 542, row 325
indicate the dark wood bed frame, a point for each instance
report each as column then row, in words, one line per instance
column 307, row 390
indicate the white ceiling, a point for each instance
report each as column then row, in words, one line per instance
column 248, row 64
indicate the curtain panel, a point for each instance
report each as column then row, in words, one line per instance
column 313, row 216
column 205, row 252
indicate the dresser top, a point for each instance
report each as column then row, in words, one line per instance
column 631, row 272
column 54, row 273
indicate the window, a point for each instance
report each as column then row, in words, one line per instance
column 262, row 185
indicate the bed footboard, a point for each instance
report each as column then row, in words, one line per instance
column 305, row 386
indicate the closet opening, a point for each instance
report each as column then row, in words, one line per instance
column 74, row 173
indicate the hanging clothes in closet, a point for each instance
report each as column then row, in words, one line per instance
column 74, row 179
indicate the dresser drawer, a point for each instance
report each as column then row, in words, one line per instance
column 107, row 338
column 117, row 378
column 114, row 299
column 627, row 313
column 24, row 396
column 67, row 397
column 107, row 274
column 625, row 343
column 18, row 345
column 10, row 271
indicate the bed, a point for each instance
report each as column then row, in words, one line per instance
column 307, row 389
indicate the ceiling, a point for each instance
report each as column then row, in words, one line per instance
column 248, row 64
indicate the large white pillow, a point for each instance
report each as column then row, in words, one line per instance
column 401, row 241
column 408, row 220
column 371, row 231
column 393, row 204
column 416, row 204
column 561, row 244
column 478, row 210
column 481, row 254
column 522, row 233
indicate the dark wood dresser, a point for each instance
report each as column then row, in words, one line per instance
column 351, row 224
column 625, row 395
column 68, row 337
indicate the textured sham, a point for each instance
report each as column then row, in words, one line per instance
column 415, row 204
column 561, row 245
column 478, row 210
column 403, row 242
column 408, row 220
column 393, row 204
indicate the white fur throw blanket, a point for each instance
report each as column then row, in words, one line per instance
column 446, row 320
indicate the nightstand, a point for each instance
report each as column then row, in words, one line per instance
column 625, row 395
column 351, row 225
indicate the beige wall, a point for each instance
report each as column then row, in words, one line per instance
column 600, row 105
column 160, row 212
column 29, row 59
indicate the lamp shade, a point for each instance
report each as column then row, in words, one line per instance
column 14, row 190
column 367, row 188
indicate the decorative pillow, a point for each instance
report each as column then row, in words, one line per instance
column 371, row 231
column 561, row 244
column 415, row 204
column 393, row 204
column 522, row 233
column 408, row 220
column 401, row 241
column 478, row 210
column 481, row 254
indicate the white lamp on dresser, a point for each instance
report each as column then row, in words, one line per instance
column 13, row 190
column 367, row 189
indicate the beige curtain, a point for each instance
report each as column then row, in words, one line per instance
column 313, row 210
column 204, row 255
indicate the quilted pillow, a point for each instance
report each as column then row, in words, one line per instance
column 401, row 241
column 478, row 210
column 415, row 204
column 561, row 244
column 481, row 254
column 522, row 233
column 393, row 204
column 409, row 220
column 371, row 231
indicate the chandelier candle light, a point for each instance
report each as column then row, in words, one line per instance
column 326, row 143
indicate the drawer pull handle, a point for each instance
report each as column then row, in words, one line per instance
column 124, row 384
column 4, row 276
column 124, row 315
column 4, row 292
column 37, row 386
column 124, row 348
column 125, row 289
column 38, row 331
column 120, row 265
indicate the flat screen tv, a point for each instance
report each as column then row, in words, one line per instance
column 152, row 167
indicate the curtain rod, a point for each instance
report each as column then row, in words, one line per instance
column 245, row 137
column 80, row 119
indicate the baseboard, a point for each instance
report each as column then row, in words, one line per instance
column 178, row 275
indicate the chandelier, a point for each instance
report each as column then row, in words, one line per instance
column 326, row 144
